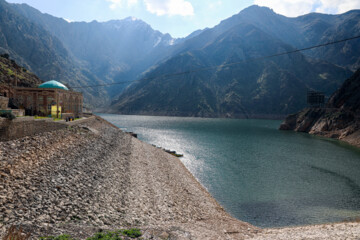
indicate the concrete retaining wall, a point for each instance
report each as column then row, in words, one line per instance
column 28, row 126
column 22, row 127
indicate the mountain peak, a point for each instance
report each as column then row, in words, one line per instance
column 131, row 19
column 256, row 9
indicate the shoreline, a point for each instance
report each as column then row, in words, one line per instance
column 165, row 114
column 331, row 230
column 92, row 175
column 324, row 123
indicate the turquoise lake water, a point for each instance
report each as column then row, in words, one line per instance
column 260, row 175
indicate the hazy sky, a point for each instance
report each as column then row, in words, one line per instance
column 179, row 17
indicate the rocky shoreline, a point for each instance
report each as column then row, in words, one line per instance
column 339, row 119
column 326, row 122
column 92, row 176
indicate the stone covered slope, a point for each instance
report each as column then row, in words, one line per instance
column 93, row 176
column 340, row 119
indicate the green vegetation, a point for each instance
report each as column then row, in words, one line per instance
column 117, row 235
column 55, row 119
column 107, row 235
column 38, row 117
column 133, row 233
column 10, row 72
column 7, row 115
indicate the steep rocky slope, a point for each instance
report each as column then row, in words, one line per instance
column 10, row 72
column 340, row 119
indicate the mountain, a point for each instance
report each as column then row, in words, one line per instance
column 309, row 30
column 100, row 53
column 117, row 50
column 340, row 119
column 11, row 73
column 269, row 87
column 36, row 49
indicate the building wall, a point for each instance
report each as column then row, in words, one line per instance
column 6, row 91
column 22, row 127
column 39, row 101
column 28, row 126
column 4, row 102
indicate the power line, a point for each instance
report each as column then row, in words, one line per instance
column 223, row 65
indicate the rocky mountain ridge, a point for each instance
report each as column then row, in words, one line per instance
column 263, row 88
column 130, row 51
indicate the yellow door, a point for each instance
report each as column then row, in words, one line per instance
column 54, row 111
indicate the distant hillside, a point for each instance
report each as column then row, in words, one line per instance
column 269, row 87
column 36, row 49
column 118, row 50
column 11, row 72
column 340, row 119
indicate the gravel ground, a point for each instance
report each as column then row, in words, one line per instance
column 348, row 231
column 93, row 177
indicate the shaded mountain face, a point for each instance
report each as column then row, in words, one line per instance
column 301, row 32
column 269, row 87
column 347, row 97
column 117, row 50
column 339, row 120
column 42, row 53
column 308, row 30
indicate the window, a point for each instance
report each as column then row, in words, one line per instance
column 21, row 99
column 50, row 100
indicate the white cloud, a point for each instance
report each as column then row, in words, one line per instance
column 131, row 3
column 294, row 8
column 338, row 6
column 169, row 7
column 120, row 3
column 115, row 3
column 215, row 5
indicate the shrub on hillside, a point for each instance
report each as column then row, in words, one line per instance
column 103, row 235
column 7, row 115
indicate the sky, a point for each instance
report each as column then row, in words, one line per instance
column 179, row 17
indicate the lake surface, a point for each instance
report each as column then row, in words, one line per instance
column 260, row 175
